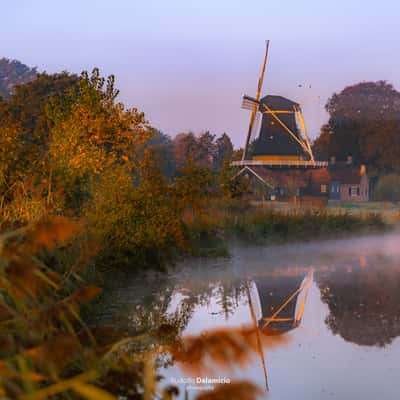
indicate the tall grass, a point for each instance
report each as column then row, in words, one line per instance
column 270, row 225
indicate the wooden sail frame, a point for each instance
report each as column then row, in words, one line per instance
column 257, row 98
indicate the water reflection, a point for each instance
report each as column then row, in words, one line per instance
column 309, row 340
column 363, row 297
column 279, row 301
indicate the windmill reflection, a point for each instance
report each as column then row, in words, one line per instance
column 276, row 306
column 278, row 301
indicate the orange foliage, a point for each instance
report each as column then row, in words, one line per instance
column 223, row 348
column 54, row 353
column 242, row 390
column 51, row 232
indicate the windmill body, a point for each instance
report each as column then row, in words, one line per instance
column 273, row 142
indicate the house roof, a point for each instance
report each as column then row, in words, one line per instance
column 345, row 174
column 281, row 178
column 311, row 179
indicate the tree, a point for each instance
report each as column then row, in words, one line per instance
column 95, row 133
column 186, row 147
column 135, row 215
column 194, row 186
column 237, row 154
column 25, row 124
column 364, row 123
column 163, row 150
column 223, row 152
column 13, row 72
column 206, row 150
column 63, row 131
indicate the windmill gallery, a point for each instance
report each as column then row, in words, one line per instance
column 278, row 160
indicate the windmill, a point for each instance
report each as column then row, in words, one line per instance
column 283, row 136
column 280, row 157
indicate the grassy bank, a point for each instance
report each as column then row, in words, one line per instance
column 221, row 223
column 273, row 226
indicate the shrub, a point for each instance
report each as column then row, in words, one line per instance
column 388, row 188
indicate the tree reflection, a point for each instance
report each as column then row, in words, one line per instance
column 363, row 297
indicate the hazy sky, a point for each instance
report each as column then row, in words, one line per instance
column 187, row 63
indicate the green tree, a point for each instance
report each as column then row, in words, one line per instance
column 135, row 216
column 206, row 149
column 195, row 185
column 162, row 147
column 186, row 147
column 223, row 152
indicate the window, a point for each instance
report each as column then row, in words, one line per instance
column 354, row 191
column 323, row 188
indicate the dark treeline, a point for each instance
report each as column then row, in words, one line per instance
column 204, row 150
column 13, row 72
column 364, row 122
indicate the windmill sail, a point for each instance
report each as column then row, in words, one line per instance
column 249, row 103
column 255, row 128
column 254, row 110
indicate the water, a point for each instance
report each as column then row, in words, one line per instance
column 344, row 345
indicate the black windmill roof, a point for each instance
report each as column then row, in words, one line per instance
column 273, row 291
column 273, row 138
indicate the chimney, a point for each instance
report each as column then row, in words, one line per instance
column 333, row 160
column 349, row 160
column 363, row 170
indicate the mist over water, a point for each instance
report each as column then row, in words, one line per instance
column 345, row 345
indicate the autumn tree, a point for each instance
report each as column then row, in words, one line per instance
column 25, row 126
column 93, row 134
column 62, row 131
column 364, row 123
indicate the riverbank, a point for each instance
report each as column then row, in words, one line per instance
column 211, row 232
